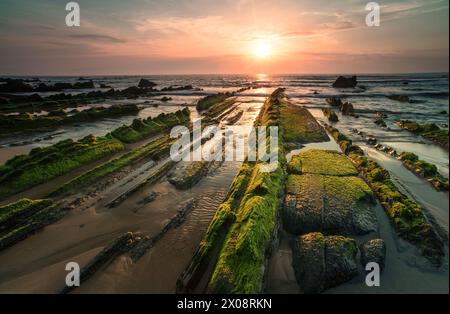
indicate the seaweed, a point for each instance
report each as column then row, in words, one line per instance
column 429, row 131
column 209, row 101
column 299, row 126
column 324, row 162
column 154, row 149
column 406, row 215
column 141, row 129
column 24, row 217
column 425, row 170
column 26, row 121
column 43, row 164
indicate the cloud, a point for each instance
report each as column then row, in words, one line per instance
column 98, row 37
column 339, row 25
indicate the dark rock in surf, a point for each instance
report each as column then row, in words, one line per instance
column 347, row 109
column 84, row 85
column 345, row 82
column 335, row 102
column 143, row 83
column 381, row 114
column 132, row 91
column 380, row 122
column 15, row 86
column 371, row 141
column 177, row 88
column 331, row 115
column 400, row 98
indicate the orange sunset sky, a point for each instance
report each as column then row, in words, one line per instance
column 239, row 36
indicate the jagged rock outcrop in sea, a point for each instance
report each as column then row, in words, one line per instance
column 143, row 83
column 345, row 82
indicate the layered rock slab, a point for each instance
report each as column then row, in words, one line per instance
column 321, row 262
column 324, row 193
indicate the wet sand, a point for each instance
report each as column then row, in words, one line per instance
column 92, row 225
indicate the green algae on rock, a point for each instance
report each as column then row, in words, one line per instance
column 330, row 114
column 20, row 219
column 425, row 170
column 142, row 128
column 43, row 164
column 21, row 122
column 321, row 262
column 429, row 131
column 324, row 162
column 298, row 124
column 207, row 102
column 406, row 215
column 238, row 239
column 240, row 265
column 187, row 174
column 324, row 193
column 330, row 204
column 215, row 235
column 155, row 149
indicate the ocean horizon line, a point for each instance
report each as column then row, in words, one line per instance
column 230, row 74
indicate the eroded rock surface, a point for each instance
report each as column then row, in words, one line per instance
column 324, row 193
column 321, row 262
column 373, row 251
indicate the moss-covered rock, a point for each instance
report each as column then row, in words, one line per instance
column 59, row 117
column 141, row 129
column 425, row 170
column 240, row 265
column 25, row 171
column 321, row 262
column 406, row 215
column 316, row 161
column 155, row 149
column 299, row 126
column 334, row 205
column 211, row 100
column 429, row 131
column 330, row 115
column 373, row 251
column 187, row 174
column 20, row 219
column 237, row 241
column 217, row 230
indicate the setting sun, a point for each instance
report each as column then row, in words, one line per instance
column 262, row 49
